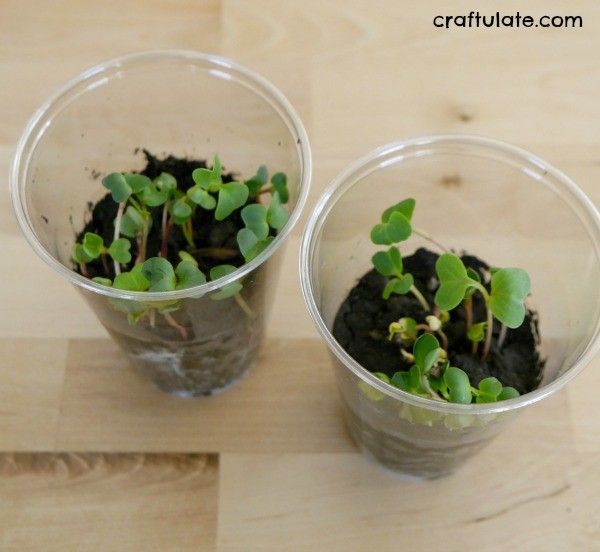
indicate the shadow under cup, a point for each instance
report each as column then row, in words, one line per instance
column 491, row 200
column 178, row 103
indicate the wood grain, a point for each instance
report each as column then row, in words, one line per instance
column 288, row 478
column 119, row 502
column 288, row 402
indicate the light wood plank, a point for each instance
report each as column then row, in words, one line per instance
column 117, row 502
column 503, row 500
column 287, row 403
column 31, row 372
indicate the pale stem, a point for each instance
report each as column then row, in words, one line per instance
column 502, row 336
column 444, row 339
column 432, row 393
column 430, row 238
column 165, row 229
column 488, row 332
column 172, row 322
column 420, row 298
column 118, row 232
column 243, row 305
column 468, row 304
column 489, row 320
column 142, row 242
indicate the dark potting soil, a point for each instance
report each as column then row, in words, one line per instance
column 216, row 241
column 362, row 321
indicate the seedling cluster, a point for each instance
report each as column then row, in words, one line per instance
column 138, row 196
column 431, row 374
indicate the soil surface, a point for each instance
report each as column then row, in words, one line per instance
column 361, row 327
column 216, row 242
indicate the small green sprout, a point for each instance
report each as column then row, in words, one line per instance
column 432, row 376
column 405, row 328
column 231, row 195
column 92, row 247
column 228, row 290
column 254, row 238
column 505, row 301
column 395, row 227
column 138, row 197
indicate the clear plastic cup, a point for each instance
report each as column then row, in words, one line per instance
column 170, row 102
column 492, row 200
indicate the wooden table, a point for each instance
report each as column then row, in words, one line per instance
column 93, row 460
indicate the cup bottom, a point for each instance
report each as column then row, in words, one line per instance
column 402, row 457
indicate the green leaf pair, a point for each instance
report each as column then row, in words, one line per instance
column 93, row 247
column 231, row 195
column 254, row 238
column 389, row 263
column 278, row 184
column 395, row 224
column 123, row 185
column 230, row 289
column 426, row 353
column 509, row 288
column 158, row 274
column 491, row 390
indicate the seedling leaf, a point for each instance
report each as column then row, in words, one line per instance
column 255, row 219
column 159, row 272
column 119, row 250
column 277, row 214
column 118, row 186
column 166, row 182
column 400, row 285
column 396, row 229
column 93, row 245
column 279, row 183
column 137, row 182
column 153, row 197
column 131, row 223
column 458, row 385
column 228, row 290
column 185, row 256
column 189, row 275
column 406, row 207
column 181, row 209
column 231, row 196
column 510, row 286
column 489, row 390
column 79, row 255
column 201, row 197
column 425, row 346
column 103, row 281
column 388, row 263
column 508, row 393
column 133, row 280
column 454, row 281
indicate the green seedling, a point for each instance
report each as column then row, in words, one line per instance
column 258, row 184
column 230, row 195
column 407, row 329
column 433, row 377
column 258, row 220
column 395, row 227
column 505, row 300
column 138, row 197
column 92, row 247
